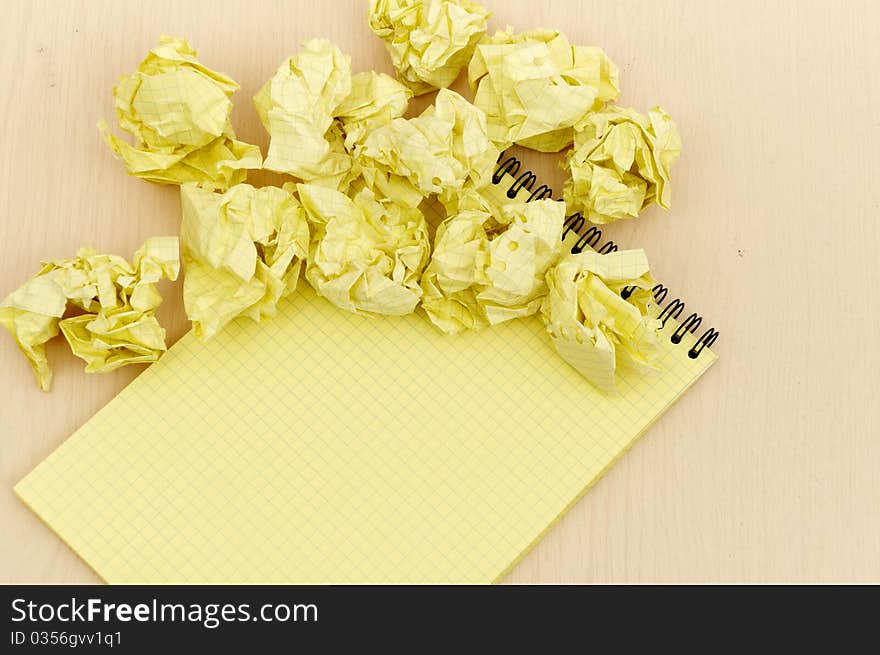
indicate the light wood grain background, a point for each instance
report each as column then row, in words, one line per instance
column 768, row 471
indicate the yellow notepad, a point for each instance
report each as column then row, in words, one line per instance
column 325, row 447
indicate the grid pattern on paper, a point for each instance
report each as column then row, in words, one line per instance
column 326, row 447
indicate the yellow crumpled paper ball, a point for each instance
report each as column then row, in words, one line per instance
column 242, row 251
column 317, row 112
column 436, row 152
column 367, row 252
column 429, row 41
column 592, row 326
column 487, row 270
column 535, row 86
column 178, row 110
column 297, row 106
column 620, row 163
column 117, row 325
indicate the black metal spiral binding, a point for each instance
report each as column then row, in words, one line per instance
column 592, row 237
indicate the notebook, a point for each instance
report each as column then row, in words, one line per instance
column 324, row 447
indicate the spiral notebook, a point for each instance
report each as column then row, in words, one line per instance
column 324, row 447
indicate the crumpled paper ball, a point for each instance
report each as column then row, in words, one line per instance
column 367, row 252
column 592, row 326
column 620, row 163
column 117, row 301
column 535, row 86
column 436, row 152
column 242, row 251
column 317, row 113
column 178, row 110
column 429, row 41
column 487, row 270
column 297, row 107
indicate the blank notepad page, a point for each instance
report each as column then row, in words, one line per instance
column 325, row 447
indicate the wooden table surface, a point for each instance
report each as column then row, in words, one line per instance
column 767, row 471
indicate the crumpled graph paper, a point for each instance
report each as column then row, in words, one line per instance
column 178, row 110
column 115, row 303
